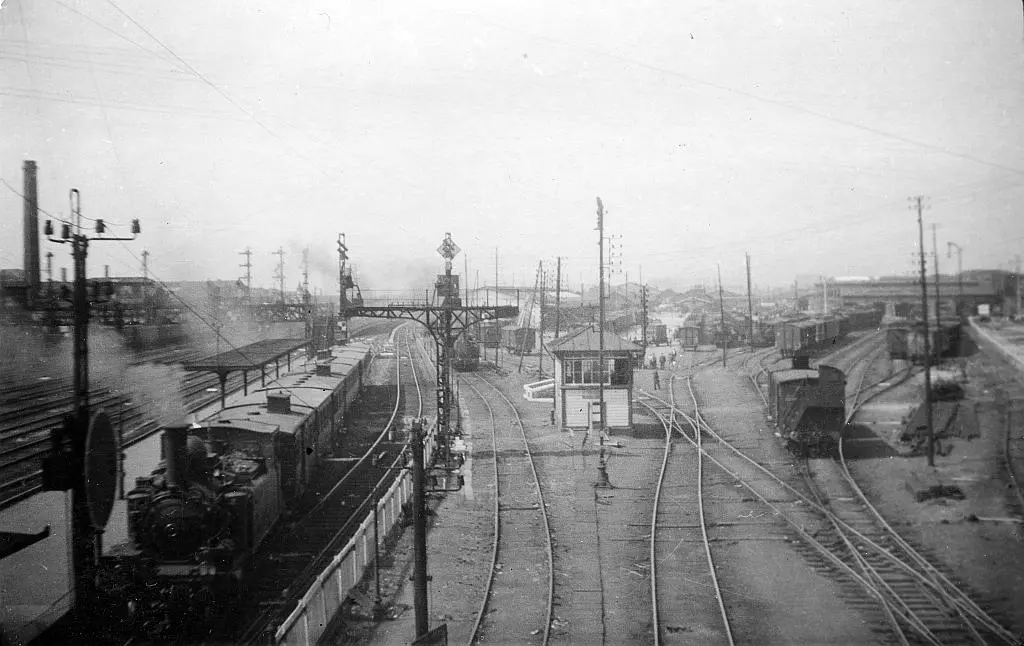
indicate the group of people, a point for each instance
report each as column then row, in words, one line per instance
column 657, row 363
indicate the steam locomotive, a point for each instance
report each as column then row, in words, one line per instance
column 223, row 484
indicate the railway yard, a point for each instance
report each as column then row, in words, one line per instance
column 699, row 525
column 734, row 538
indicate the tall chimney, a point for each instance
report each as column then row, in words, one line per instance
column 31, row 232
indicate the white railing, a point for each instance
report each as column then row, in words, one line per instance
column 532, row 392
column 307, row 623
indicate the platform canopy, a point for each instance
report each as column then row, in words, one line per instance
column 249, row 357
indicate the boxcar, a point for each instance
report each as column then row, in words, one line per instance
column 489, row 334
column 688, row 336
column 657, row 334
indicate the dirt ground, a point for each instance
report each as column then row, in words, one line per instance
column 979, row 538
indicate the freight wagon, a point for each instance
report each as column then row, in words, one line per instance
column 519, row 340
column 907, row 342
column 688, row 336
column 809, row 408
column 657, row 334
column 466, row 354
column 489, row 334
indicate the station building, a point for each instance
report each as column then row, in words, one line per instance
column 577, row 387
column 967, row 290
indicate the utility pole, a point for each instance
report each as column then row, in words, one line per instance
column 145, row 263
column 279, row 272
column 959, row 273
column 917, row 202
column 558, row 297
column 1018, row 285
column 49, row 266
column 497, row 346
column 540, row 324
column 419, row 522
column 68, row 470
column 750, row 307
column 824, row 295
column 938, row 301
column 643, row 321
column 247, row 266
column 721, row 312
column 602, row 470
column 305, row 277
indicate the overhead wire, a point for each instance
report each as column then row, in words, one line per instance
column 746, row 94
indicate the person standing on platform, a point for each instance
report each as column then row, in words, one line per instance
column 657, row 381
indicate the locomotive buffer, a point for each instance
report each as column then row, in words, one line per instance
column 445, row 322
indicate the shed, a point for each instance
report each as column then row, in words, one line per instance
column 577, row 386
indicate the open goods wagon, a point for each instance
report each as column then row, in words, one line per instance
column 809, row 408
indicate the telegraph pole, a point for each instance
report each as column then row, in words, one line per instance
column 959, row 273
column 1018, row 286
column 279, row 272
column 721, row 312
column 643, row 321
column 558, row 297
column 419, row 522
column 602, row 471
column 305, row 277
column 750, row 307
column 938, row 301
column 540, row 324
column 917, row 203
column 497, row 346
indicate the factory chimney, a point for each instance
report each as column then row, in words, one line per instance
column 31, row 233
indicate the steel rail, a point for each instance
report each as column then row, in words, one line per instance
column 950, row 592
column 700, row 506
column 544, row 513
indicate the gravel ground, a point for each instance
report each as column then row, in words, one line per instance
column 772, row 593
column 985, row 555
column 777, row 594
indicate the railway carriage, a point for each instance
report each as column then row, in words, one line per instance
column 226, row 480
column 809, row 408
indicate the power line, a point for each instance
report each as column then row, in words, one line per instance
column 749, row 95
column 227, row 97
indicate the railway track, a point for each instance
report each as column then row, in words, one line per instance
column 30, row 409
column 911, row 592
column 522, row 550
column 672, row 526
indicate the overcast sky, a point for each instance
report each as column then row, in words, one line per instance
column 792, row 130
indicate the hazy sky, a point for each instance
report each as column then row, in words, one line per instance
column 792, row 130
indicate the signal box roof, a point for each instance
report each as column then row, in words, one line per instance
column 248, row 357
column 587, row 340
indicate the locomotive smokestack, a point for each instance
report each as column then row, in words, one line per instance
column 175, row 440
column 31, row 232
